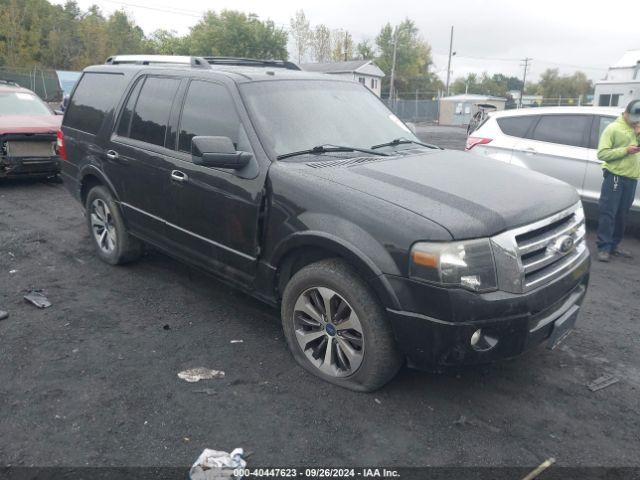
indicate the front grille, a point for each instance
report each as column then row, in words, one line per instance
column 538, row 253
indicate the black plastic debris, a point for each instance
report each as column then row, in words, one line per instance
column 37, row 298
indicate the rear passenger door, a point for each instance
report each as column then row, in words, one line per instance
column 138, row 156
column 557, row 146
column 215, row 213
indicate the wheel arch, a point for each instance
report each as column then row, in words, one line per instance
column 304, row 248
column 90, row 177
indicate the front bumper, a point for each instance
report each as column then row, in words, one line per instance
column 29, row 166
column 441, row 333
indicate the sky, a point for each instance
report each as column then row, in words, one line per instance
column 489, row 35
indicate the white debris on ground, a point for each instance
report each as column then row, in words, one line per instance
column 201, row 373
column 214, row 464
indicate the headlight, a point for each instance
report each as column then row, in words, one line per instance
column 468, row 264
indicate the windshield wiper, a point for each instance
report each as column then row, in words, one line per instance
column 402, row 141
column 329, row 149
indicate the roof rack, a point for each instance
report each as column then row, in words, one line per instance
column 195, row 62
column 251, row 62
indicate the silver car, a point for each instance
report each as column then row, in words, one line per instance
column 558, row 141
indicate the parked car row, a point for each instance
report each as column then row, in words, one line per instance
column 305, row 191
column 558, row 141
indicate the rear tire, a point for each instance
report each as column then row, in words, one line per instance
column 109, row 235
column 362, row 353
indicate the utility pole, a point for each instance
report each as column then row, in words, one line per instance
column 346, row 41
column 449, row 63
column 525, row 64
column 393, row 67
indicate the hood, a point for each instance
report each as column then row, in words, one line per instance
column 29, row 123
column 469, row 196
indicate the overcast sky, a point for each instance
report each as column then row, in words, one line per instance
column 489, row 35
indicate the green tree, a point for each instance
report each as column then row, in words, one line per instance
column 365, row 51
column 553, row 85
column 233, row 33
column 413, row 59
column 167, row 42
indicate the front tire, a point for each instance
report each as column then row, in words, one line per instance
column 336, row 328
column 110, row 237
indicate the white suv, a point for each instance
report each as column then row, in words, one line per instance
column 561, row 142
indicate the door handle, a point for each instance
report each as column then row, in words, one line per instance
column 112, row 155
column 179, row 176
column 530, row 151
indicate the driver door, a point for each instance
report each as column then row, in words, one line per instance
column 214, row 217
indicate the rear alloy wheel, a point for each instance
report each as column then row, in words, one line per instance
column 103, row 228
column 113, row 243
column 336, row 327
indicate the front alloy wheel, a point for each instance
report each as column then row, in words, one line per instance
column 336, row 327
column 328, row 331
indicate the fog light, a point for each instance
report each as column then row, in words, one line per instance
column 482, row 342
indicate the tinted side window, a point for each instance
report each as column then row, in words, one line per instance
column 151, row 113
column 516, row 126
column 95, row 95
column 208, row 110
column 127, row 113
column 563, row 129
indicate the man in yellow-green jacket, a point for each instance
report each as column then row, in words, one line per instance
column 618, row 148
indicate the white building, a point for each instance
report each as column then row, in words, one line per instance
column 622, row 83
column 364, row 71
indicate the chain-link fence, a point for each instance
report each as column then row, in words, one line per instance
column 44, row 83
column 414, row 110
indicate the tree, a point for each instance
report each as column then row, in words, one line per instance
column 167, row 42
column 301, row 33
column 123, row 35
column 365, row 51
column 237, row 34
column 413, row 59
column 321, row 43
column 341, row 45
column 552, row 85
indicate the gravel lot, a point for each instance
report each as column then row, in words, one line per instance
column 92, row 380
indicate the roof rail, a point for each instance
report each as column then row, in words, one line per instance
column 9, row 82
column 195, row 62
column 252, row 62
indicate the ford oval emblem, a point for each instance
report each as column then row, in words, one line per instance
column 562, row 245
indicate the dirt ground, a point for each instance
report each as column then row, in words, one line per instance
column 92, row 380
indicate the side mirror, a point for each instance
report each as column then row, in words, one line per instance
column 217, row 152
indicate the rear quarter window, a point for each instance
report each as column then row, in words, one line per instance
column 563, row 129
column 516, row 126
column 95, row 95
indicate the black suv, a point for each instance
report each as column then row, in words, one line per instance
column 307, row 192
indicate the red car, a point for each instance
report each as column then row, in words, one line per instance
column 28, row 133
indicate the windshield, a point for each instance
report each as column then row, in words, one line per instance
column 296, row 115
column 22, row 103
